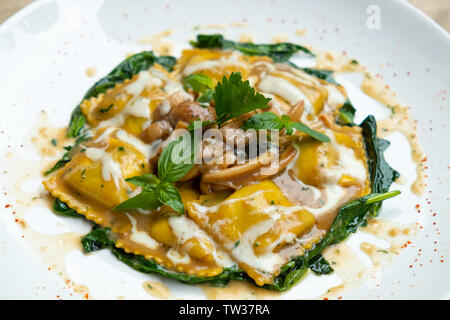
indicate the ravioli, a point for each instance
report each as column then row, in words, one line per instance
column 93, row 183
column 258, row 226
column 254, row 224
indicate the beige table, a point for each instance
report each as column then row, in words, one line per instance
column 438, row 10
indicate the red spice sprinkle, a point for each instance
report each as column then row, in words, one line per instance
column 410, row 266
column 7, row 205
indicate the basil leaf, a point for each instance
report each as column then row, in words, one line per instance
column 176, row 160
column 146, row 181
column 169, row 195
column 147, row 200
column 264, row 120
column 234, row 97
column 270, row 121
column 197, row 82
column 305, row 129
column 279, row 52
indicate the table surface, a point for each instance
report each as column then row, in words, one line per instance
column 438, row 10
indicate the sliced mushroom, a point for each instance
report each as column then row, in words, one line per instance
column 157, row 130
column 190, row 111
column 296, row 112
column 163, row 108
column 250, row 170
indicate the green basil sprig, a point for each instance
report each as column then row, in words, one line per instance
column 270, row 121
column 176, row 160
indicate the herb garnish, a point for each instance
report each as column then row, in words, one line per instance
column 234, row 97
column 203, row 85
column 346, row 114
column 173, row 164
column 270, row 121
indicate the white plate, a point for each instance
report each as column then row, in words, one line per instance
column 46, row 48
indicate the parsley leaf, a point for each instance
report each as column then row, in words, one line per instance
column 270, row 121
column 176, row 160
column 234, row 97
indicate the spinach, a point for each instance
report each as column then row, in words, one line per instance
column 346, row 114
column 125, row 70
column 62, row 209
column 280, row 52
column 350, row 217
column 319, row 265
column 99, row 238
column 326, row 75
column 67, row 156
column 141, row 264
column 382, row 175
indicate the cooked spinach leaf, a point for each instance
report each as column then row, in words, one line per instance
column 63, row 209
column 99, row 238
column 319, row 265
column 141, row 264
column 125, row 70
column 326, row 75
column 350, row 217
column 67, row 156
column 382, row 175
column 279, row 52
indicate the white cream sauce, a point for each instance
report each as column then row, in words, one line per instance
column 141, row 237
